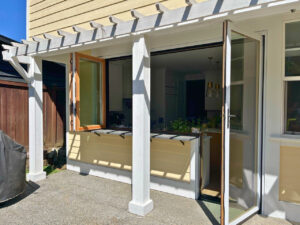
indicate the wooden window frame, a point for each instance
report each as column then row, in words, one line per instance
column 79, row 56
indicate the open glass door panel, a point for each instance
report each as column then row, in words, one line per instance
column 240, row 150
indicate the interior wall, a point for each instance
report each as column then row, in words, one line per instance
column 115, row 87
column 158, row 98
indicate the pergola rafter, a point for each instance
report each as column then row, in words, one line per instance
column 135, row 14
column 140, row 23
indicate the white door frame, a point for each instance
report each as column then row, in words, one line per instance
column 228, row 27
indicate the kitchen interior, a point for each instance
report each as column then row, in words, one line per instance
column 186, row 99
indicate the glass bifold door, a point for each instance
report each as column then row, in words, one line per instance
column 240, row 179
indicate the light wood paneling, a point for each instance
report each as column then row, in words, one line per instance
column 51, row 15
column 169, row 158
column 289, row 178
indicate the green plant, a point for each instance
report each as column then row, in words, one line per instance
column 214, row 122
column 180, row 125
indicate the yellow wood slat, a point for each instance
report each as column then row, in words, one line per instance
column 34, row 2
column 43, row 5
column 72, row 17
column 70, row 8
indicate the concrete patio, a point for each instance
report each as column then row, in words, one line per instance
column 69, row 198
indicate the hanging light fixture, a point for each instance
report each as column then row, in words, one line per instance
column 217, row 90
column 210, row 85
column 210, row 90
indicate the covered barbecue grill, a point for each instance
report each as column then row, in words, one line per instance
column 12, row 168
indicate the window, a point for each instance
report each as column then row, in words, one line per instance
column 90, row 92
column 185, row 91
column 292, row 78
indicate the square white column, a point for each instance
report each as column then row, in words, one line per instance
column 35, row 94
column 141, row 204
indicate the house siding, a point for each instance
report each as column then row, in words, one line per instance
column 169, row 158
column 47, row 16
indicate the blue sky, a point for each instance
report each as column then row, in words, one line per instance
column 13, row 19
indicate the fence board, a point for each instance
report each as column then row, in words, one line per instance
column 14, row 114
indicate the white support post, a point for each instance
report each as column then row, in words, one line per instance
column 36, row 152
column 141, row 204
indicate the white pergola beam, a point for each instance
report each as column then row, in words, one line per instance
column 135, row 14
column 16, row 44
column 14, row 61
column 31, row 46
column 161, row 8
column 49, row 36
column 190, row 2
column 141, row 204
column 23, row 59
column 96, row 25
column 79, row 29
column 115, row 20
column 43, row 44
column 64, row 33
column 26, row 42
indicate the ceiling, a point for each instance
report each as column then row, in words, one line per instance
column 190, row 61
column 199, row 60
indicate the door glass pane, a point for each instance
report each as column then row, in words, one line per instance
column 243, row 139
column 90, row 93
column 237, row 58
column 236, row 106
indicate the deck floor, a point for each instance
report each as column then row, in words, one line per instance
column 69, row 198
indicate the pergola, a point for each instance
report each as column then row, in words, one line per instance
column 31, row 52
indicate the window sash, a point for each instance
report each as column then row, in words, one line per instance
column 102, row 101
column 286, row 79
column 286, row 119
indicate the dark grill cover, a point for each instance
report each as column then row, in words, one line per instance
column 12, row 168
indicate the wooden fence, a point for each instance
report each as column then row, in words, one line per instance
column 14, row 113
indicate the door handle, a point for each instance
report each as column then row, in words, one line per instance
column 229, row 117
column 232, row 116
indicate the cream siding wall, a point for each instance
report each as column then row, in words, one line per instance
column 47, row 16
column 169, row 158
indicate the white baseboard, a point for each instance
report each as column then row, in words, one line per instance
column 157, row 183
